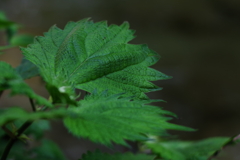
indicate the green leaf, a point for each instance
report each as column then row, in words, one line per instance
column 187, row 150
column 27, row 69
column 117, row 156
column 105, row 119
column 48, row 150
column 93, row 55
column 9, row 27
column 21, row 40
column 9, row 79
column 64, row 94
column 17, row 113
column 4, row 22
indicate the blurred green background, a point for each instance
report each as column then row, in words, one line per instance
column 198, row 40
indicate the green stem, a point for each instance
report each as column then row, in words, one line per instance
column 19, row 132
column 6, row 47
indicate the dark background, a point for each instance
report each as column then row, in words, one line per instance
column 198, row 40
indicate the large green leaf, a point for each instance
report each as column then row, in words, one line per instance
column 107, row 119
column 93, row 55
column 189, row 150
column 9, row 79
column 97, row 155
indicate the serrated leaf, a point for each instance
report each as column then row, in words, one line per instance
column 189, row 150
column 93, row 55
column 9, row 79
column 27, row 69
column 97, row 155
column 105, row 119
column 17, row 113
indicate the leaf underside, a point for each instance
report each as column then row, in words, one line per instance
column 117, row 156
column 105, row 119
column 94, row 55
column 27, row 69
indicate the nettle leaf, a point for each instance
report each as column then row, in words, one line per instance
column 9, row 79
column 27, row 69
column 189, row 150
column 117, row 156
column 94, row 55
column 16, row 113
column 105, row 119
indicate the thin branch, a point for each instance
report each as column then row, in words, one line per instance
column 32, row 104
column 1, row 92
column 9, row 133
column 19, row 132
column 14, row 139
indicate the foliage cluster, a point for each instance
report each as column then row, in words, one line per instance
column 113, row 75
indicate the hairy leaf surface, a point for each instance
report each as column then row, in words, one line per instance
column 117, row 156
column 9, row 79
column 105, row 119
column 187, row 150
column 94, row 55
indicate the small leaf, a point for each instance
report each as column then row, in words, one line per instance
column 9, row 27
column 9, row 79
column 21, row 40
column 4, row 22
column 16, row 113
column 64, row 94
column 48, row 150
column 27, row 69
column 97, row 155
column 188, row 150
column 105, row 119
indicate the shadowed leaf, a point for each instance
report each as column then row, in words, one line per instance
column 105, row 119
